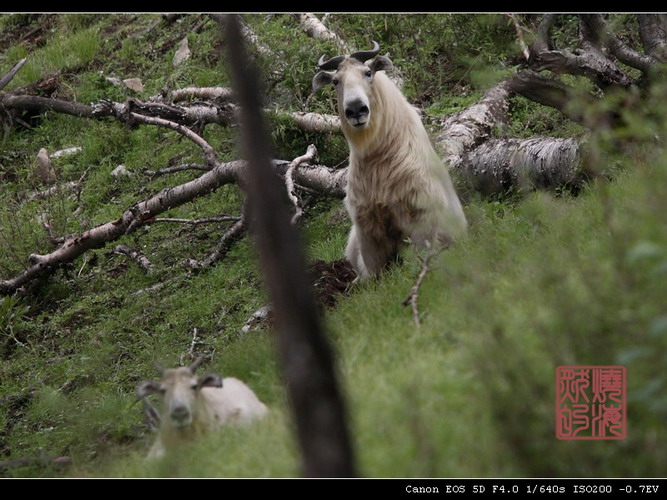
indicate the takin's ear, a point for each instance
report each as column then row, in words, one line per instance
column 381, row 63
column 209, row 380
column 147, row 388
column 321, row 79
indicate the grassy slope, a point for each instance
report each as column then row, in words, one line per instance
column 542, row 280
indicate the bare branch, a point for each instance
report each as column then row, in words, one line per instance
column 587, row 61
column 231, row 236
column 257, row 318
column 178, row 168
column 46, row 224
column 573, row 104
column 196, row 222
column 194, row 342
column 4, row 81
column 412, row 299
column 543, row 41
column 209, row 93
column 53, row 190
column 315, row 122
column 209, row 153
column 620, row 49
column 519, row 36
column 221, row 113
column 134, row 254
column 317, row 30
column 653, row 34
column 310, row 155
column 464, row 130
column 41, row 104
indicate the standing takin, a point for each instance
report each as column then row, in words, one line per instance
column 193, row 406
column 397, row 188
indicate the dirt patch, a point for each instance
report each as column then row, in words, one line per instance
column 331, row 280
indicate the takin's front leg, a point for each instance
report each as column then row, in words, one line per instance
column 353, row 254
column 370, row 253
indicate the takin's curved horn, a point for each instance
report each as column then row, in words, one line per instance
column 195, row 364
column 330, row 64
column 365, row 55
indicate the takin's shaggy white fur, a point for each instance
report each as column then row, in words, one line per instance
column 194, row 406
column 397, row 188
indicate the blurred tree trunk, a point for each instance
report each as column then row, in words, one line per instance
column 307, row 358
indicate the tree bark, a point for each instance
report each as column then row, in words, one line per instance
column 465, row 130
column 500, row 165
column 317, row 30
column 41, row 104
column 653, row 34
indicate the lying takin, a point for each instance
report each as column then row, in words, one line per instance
column 193, row 406
column 397, row 187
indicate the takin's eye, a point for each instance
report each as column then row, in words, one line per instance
column 369, row 73
column 335, row 81
column 194, row 386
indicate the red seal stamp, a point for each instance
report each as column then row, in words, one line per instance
column 591, row 402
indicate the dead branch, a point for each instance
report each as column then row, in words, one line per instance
column 4, row 81
column 310, row 155
column 653, row 34
column 578, row 107
column 519, row 36
column 260, row 316
column 316, row 122
column 412, row 299
column 139, row 258
column 318, row 178
column 42, row 104
column 248, row 36
column 46, row 224
column 464, row 130
column 317, row 30
column 177, row 168
column 626, row 54
column 220, row 94
column 66, row 151
column 229, row 238
column 588, row 60
column 194, row 342
column 196, row 222
column 209, row 153
column 199, row 114
column 53, row 190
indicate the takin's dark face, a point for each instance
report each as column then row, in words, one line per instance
column 353, row 81
column 179, row 388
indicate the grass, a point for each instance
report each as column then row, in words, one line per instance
column 543, row 279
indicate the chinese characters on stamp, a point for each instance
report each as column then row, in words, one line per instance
column 591, row 402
